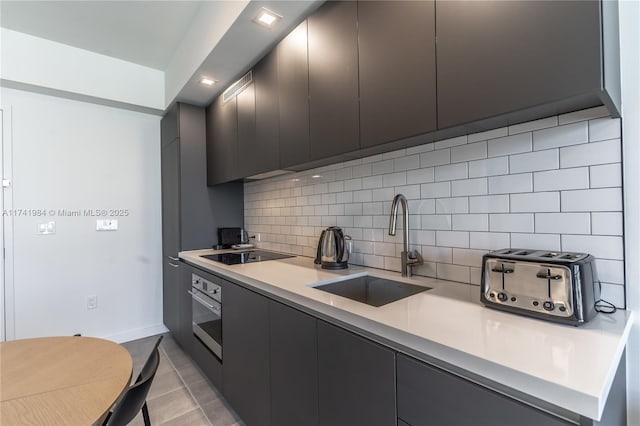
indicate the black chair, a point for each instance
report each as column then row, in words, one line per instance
column 135, row 398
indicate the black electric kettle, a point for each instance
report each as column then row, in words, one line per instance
column 333, row 249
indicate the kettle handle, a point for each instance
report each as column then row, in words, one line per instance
column 319, row 250
column 339, row 244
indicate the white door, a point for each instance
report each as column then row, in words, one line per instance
column 7, row 327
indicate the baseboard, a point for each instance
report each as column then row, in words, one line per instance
column 138, row 333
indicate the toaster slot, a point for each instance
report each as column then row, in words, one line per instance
column 550, row 254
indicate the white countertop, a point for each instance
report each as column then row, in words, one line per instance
column 566, row 366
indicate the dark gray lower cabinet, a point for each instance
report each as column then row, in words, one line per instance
column 294, row 367
column 357, row 379
column 430, row 396
column 245, row 354
column 184, row 331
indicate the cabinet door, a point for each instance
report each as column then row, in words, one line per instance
column 245, row 362
column 430, row 396
column 503, row 56
column 293, row 97
column 356, row 379
column 222, row 141
column 184, row 332
column 263, row 155
column 333, row 80
column 397, row 58
column 170, row 181
column 294, row 367
column 247, row 135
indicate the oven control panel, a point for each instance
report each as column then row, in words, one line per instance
column 207, row 287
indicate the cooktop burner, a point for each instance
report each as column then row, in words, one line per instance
column 236, row 258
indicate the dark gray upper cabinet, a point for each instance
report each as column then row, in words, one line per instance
column 333, row 80
column 356, row 379
column 265, row 152
column 293, row 97
column 245, row 363
column 397, row 70
column 247, row 137
column 222, row 141
column 495, row 58
column 294, row 367
column 430, row 396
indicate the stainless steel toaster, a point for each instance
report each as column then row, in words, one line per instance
column 549, row 285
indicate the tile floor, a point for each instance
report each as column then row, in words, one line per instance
column 180, row 394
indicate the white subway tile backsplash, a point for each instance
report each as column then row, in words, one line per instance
column 394, row 179
column 437, row 254
column 613, row 293
column 490, row 167
column 530, row 126
column 489, row 240
column 510, row 184
column 489, row 134
column 489, row 204
column 554, row 137
column 468, row 257
column 436, row 221
column 515, row 222
column 606, row 223
column 436, row 190
column 591, row 154
column 466, row 196
column 604, row 128
column 535, row 202
column 382, row 167
column 452, row 239
column 435, row 158
column 476, row 186
column 425, row 175
column 611, row 271
column 592, row 200
column 564, row 179
column 563, row 223
column 549, row 242
column 447, row 143
column 470, row 222
column 406, row 163
column 472, row 151
column 605, row 176
column 603, row 247
column 451, row 172
column 445, row 271
column 452, row 205
column 507, row 145
column 534, row 161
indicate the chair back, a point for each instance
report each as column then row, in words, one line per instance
column 135, row 397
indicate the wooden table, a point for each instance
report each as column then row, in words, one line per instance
column 61, row 380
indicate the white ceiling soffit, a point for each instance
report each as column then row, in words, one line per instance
column 240, row 48
column 143, row 32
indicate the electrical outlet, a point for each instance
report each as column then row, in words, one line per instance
column 92, row 301
column 258, row 237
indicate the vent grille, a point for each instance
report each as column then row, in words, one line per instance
column 237, row 87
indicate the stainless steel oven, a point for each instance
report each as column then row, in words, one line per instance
column 206, row 299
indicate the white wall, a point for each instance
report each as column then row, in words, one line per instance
column 630, row 69
column 38, row 62
column 75, row 155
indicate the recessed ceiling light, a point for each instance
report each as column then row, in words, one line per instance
column 316, row 176
column 206, row 81
column 267, row 18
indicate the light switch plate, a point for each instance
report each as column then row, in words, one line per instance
column 46, row 228
column 106, row 225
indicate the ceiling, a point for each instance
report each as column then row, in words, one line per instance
column 143, row 32
column 156, row 34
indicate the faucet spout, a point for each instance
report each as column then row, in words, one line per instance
column 407, row 258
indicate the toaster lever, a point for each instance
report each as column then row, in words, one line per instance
column 546, row 275
column 502, row 269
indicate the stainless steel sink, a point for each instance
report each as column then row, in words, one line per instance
column 372, row 290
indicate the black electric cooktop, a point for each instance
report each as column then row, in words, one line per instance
column 250, row 256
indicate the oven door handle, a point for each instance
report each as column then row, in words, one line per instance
column 211, row 307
